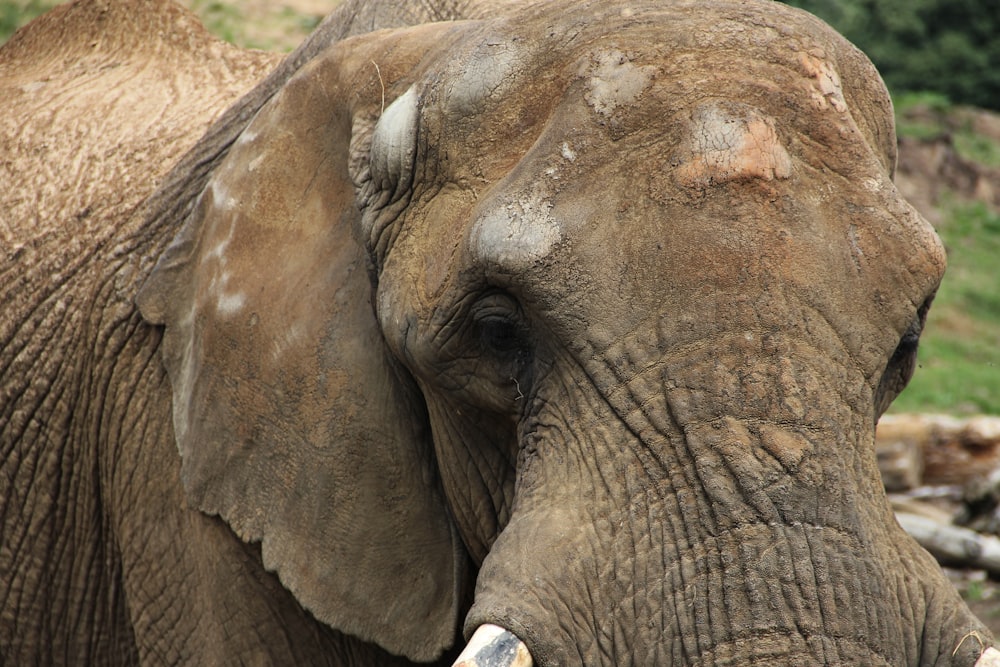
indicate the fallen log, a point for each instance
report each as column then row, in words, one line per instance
column 953, row 545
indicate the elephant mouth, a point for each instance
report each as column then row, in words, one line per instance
column 494, row 646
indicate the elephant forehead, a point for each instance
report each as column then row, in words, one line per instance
column 488, row 69
column 613, row 80
column 728, row 93
column 731, row 142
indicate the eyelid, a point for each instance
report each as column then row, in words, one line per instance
column 494, row 314
column 496, row 304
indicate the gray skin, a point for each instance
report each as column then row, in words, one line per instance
column 577, row 323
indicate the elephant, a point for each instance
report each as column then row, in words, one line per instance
column 559, row 328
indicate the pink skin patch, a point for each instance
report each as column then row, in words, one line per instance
column 732, row 142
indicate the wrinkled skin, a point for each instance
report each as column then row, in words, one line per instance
column 577, row 323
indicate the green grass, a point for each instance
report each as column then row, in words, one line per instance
column 223, row 20
column 15, row 13
column 959, row 360
column 976, row 147
column 280, row 30
column 921, row 115
column 973, row 591
column 268, row 28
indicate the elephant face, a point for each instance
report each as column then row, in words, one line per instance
column 595, row 305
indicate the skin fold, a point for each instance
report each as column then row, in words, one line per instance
column 573, row 319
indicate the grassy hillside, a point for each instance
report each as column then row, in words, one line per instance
column 952, row 157
column 959, row 358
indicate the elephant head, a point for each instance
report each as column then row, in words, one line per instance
column 594, row 307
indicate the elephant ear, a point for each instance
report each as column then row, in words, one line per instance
column 293, row 422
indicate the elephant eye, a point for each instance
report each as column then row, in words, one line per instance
column 500, row 327
column 500, row 335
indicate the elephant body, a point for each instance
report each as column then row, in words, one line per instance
column 573, row 318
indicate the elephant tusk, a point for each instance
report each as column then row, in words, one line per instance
column 492, row 646
column 989, row 658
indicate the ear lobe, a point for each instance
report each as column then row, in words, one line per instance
column 293, row 422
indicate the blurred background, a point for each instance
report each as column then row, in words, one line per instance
column 939, row 446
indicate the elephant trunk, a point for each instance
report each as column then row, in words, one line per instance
column 662, row 533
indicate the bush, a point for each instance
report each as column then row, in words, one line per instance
column 948, row 46
column 15, row 13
